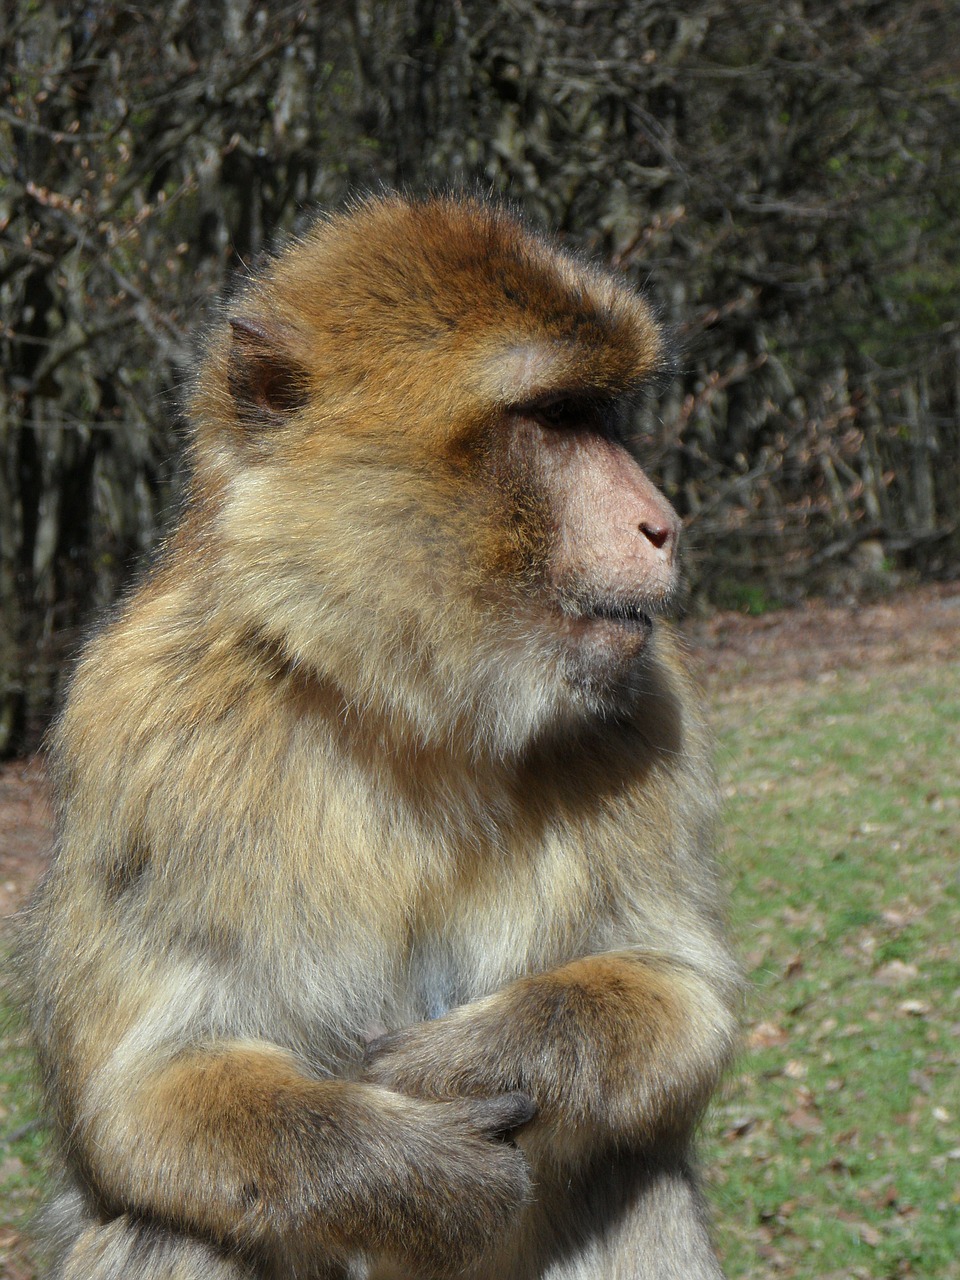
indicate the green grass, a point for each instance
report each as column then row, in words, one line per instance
column 21, row 1136
column 836, row 1150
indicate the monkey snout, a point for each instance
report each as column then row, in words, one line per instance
column 655, row 518
column 660, row 526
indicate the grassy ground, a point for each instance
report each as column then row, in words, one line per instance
column 21, row 1148
column 835, row 1151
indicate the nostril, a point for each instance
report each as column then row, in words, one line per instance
column 658, row 534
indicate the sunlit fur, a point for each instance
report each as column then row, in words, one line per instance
column 390, row 743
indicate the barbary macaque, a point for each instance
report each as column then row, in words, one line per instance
column 384, row 935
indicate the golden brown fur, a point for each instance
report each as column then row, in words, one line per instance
column 386, row 817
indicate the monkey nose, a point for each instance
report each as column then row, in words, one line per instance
column 661, row 534
column 655, row 533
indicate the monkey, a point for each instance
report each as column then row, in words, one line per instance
column 385, row 935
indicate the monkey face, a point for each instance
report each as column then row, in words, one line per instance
column 423, row 472
column 595, row 543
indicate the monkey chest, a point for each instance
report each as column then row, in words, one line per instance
column 472, row 939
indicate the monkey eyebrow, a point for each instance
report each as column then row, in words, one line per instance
column 527, row 372
column 522, row 371
column 582, row 397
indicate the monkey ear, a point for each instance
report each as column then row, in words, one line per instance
column 266, row 382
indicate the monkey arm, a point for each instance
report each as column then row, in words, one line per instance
column 238, row 1145
column 623, row 1048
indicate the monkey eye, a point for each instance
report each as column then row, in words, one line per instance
column 575, row 412
column 558, row 414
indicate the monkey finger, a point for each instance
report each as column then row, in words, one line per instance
column 500, row 1115
column 380, row 1044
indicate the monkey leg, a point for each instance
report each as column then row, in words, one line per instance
column 658, row 1231
column 127, row 1249
column 124, row 1249
column 630, row 1218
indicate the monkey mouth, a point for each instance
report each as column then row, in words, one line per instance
column 607, row 618
column 626, row 615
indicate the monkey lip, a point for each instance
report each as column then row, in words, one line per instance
column 624, row 615
column 611, row 618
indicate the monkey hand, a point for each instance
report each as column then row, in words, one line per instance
column 618, row 1049
column 440, row 1182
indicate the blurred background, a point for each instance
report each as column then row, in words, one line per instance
column 782, row 176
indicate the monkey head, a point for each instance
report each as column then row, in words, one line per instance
column 409, row 459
